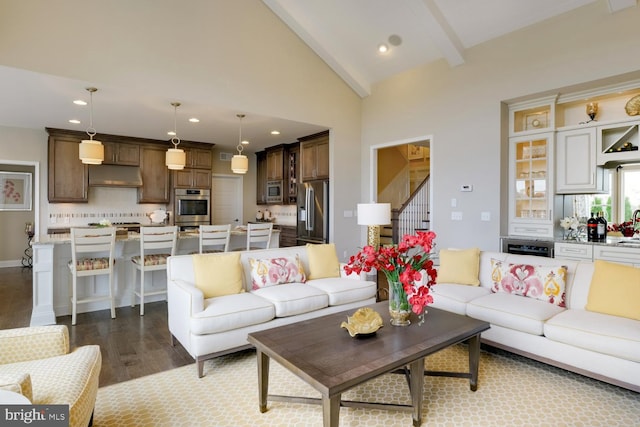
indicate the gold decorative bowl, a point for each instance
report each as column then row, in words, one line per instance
column 364, row 322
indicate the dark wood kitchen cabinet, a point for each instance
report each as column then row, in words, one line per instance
column 116, row 153
column 68, row 179
column 275, row 163
column 261, row 178
column 156, row 185
column 288, row 234
column 192, row 178
column 314, row 157
column 199, row 158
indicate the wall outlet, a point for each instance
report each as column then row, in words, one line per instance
column 485, row 216
column 456, row 216
column 454, row 203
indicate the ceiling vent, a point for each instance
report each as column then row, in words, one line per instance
column 226, row 157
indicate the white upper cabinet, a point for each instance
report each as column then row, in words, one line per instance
column 576, row 170
column 531, row 185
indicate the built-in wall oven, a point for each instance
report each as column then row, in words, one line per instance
column 192, row 207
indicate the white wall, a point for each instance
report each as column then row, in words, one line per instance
column 461, row 107
column 237, row 54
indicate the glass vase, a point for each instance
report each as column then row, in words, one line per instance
column 399, row 308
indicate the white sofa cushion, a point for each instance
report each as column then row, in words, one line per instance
column 513, row 311
column 454, row 297
column 344, row 291
column 612, row 335
column 229, row 312
column 294, row 298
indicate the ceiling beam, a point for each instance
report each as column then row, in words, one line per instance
column 617, row 5
column 358, row 84
column 443, row 35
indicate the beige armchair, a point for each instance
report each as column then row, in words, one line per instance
column 36, row 362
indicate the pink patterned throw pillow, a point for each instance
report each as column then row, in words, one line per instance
column 543, row 282
column 276, row 271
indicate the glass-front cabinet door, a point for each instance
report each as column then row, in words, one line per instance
column 531, row 186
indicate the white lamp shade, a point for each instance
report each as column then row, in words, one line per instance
column 175, row 159
column 91, row 152
column 374, row 213
column 239, row 164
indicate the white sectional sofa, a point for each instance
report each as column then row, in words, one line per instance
column 601, row 346
column 210, row 327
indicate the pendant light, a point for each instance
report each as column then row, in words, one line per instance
column 91, row 152
column 175, row 158
column 239, row 162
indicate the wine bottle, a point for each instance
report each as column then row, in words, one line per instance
column 602, row 227
column 592, row 228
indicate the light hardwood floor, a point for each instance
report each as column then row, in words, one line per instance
column 132, row 345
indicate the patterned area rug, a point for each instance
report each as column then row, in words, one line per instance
column 512, row 391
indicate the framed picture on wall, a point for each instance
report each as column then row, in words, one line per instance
column 415, row 152
column 16, row 191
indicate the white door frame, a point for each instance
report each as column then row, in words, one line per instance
column 373, row 166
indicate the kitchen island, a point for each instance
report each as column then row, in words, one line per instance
column 52, row 279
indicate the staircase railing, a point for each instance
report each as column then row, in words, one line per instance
column 413, row 214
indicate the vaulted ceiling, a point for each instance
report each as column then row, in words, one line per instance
column 344, row 33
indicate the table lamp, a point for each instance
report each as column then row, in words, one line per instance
column 373, row 215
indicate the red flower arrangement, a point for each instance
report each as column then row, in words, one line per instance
column 402, row 263
column 625, row 228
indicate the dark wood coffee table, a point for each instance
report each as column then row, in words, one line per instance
column 327, row 358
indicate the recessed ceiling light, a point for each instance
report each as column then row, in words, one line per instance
column 80, row 102
column 171, row 133
column 383, row 48
column 194, row 120
column 245, row 142
column 74, row 121
column 275, row 132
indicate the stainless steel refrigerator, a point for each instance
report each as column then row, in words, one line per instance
column 313, row 212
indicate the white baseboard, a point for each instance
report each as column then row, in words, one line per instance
column 11, row 263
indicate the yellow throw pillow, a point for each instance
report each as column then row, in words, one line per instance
column 218, row 274
column 615, row 290
column 459, row 266
column 323, row 261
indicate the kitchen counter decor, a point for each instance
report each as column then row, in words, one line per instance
column 570, row 225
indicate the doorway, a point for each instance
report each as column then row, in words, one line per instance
column 226, row 198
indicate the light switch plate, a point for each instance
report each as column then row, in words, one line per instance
column 456, row 216
column 485, row 216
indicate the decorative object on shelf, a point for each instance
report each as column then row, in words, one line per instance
column 592, row 110
column 536, row 120
column 175, row 158
column 373, row 215
column 91, row 151
column 633, row 106
column 240, row 162
column 627, row 146
column 570, row 225
column 16, row 191
column 364, row 322
column 402, row 264
column 27, row 259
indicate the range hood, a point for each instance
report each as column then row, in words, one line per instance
column 114, row 176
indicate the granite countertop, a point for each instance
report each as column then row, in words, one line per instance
column 129, row 236
column 618, row 241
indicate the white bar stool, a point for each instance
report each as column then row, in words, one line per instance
column 156, row 245
column 94, row 242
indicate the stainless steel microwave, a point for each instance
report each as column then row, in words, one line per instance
column 274, row 192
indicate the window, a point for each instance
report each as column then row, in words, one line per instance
column 623, row 198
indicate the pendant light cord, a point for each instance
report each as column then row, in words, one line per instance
column 175, row 140
column 240, row 147
column 91, row 131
